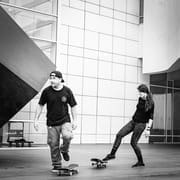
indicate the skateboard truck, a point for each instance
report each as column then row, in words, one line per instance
column 68, row 170
column 98, row 163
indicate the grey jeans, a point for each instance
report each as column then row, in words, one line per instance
column 137, row 129
column 53, row 141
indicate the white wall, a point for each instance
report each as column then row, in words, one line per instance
column 98, row 54
column 161, row 34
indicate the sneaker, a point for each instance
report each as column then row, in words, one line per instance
column 55, row 169
column 65, row 156
column 138, row 164
column 109, row 157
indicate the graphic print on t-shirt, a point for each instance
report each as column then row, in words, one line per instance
column 63, row 99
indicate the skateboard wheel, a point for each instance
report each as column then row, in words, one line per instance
column 59, row 173
column 76, row 172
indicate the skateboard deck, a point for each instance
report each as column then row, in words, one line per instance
column 68, row 170
column 98, row 163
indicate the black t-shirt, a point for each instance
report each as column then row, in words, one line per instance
column 57, row 104
column 141, row 115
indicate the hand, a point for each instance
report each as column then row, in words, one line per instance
column 74, row 125
column 36, row 125
column 147, row 133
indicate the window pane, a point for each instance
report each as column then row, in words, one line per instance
column 34, row 24
column 46, row 6
column 48, row 48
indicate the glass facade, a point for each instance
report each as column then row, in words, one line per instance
column 32, row 17
column 166, row 93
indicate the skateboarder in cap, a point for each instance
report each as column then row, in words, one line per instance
column 58, row 98
column 141, row 120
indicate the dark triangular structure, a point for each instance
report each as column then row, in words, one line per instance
column 24, row 68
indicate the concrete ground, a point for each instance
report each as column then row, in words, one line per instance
column 162, row 162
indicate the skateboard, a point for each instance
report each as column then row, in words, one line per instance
column 98, row 163
column 68, row 170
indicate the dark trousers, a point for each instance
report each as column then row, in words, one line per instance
column 137, row 129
